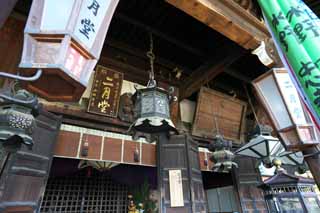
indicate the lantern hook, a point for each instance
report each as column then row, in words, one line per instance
column 22, row 78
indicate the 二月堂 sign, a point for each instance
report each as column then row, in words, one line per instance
column 105, row 92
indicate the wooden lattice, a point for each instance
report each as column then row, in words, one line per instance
column 82, row 194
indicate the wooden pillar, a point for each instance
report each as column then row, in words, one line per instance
column 313, row 162
column 180, row 152
column 25, row 173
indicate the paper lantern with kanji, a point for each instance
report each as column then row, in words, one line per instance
column 289, row 115
column 64, row 38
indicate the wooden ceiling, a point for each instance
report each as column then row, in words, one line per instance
column 180, row 42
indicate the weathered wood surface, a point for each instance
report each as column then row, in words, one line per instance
column 210, row 70
column 11, row 42
column 112, row 147
column 24, row 177
column 227, row 17
column 218, row 113
column 248, row 178
column 6, row 6
column 174, row 153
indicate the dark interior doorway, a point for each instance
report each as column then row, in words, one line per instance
column 220, row 191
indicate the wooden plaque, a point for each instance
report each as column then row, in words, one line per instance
column 219, row 113
column 105, row 92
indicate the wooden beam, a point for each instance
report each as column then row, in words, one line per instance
column 143, row 55
column 235, row 74
column 228, row 18
column 6, row 6
column 209, row 71
column 160, row 34
column 135, row 68
column 78, row 113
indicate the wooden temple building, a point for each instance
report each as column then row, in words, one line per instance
column 85, row 159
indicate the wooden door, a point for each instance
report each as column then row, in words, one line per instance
column 248, row 178
column 175, row 154
column 198, row 197
column 24, row 176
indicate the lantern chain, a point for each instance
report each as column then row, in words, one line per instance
column 151, row 56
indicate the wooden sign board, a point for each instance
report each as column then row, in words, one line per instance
column 219, row 113
column 176, row 189
column 105, row 92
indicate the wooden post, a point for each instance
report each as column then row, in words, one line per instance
column 313, row 162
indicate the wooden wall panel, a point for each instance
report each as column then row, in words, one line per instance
column 148, row 154
column 202, row 159
column 112, row 149
column 11, row 42
column 94, row 146
column 67, row 144
column 129, row 149
column 219, row 113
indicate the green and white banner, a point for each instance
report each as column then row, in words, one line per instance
column 296, row 32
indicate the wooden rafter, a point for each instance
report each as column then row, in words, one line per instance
column 209, row 71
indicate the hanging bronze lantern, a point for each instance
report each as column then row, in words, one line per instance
column 222, row 157
column 152, row 108
column 152, row 111
column 17, row 118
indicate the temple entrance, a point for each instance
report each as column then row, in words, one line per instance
column 70, row 190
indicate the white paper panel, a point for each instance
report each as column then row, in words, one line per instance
column 56, row 14
column 273, row 98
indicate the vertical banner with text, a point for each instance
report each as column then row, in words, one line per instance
column 296, row 32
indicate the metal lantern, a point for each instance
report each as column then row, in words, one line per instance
column 222, row 157
column 267, row 148
column 289, row 193
column 152, row 110
column 152, row 104
column 17, row 118
column 65, row 39
column 290, row 118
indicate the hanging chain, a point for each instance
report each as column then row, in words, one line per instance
column 151, row 57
